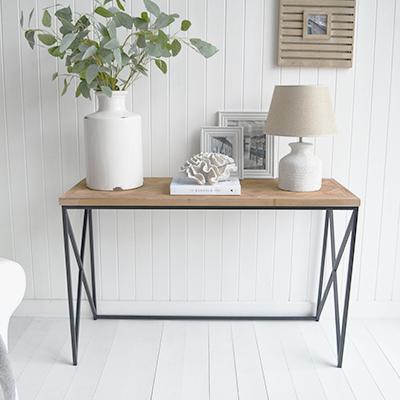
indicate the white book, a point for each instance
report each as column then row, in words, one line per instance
column 188, row 186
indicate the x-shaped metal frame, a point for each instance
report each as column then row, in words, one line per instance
column 329, row 230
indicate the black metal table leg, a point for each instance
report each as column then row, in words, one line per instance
column 82, row 281
column 332, row 281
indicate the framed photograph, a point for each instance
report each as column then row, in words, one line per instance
column 224, row 140
column 317, row 24
column 258, row 148
column 316, row 33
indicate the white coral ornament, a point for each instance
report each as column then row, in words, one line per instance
column 209, row 167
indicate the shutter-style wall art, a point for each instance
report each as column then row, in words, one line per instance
column 316, row 33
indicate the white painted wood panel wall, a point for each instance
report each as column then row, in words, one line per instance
column 203, row 256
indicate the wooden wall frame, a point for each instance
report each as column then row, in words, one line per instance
column 329, row 45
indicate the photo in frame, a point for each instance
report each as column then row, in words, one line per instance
column 258, row 148
column 224, row 140
column 317, row 24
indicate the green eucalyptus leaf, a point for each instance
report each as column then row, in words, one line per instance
column 30, row 37
column 106, row 90
column 65, row 87
column 112, row 28
column 120, row 6
column 77, row 57
column 162, row 39
column 142, row 70
column 133, row 50
column 89, row 52
column 152, row 7
column 141, row 42
column 46, row 39
column 67, row 25
column 125, row 59
column 106, row 56
column 114, row 10
column 55, row 51
column 55, row 75
column 83, row 47
column 125, row 20
column 161, row 65
column 140, row 24
column 153, row 49
column 65, row 13
column 145, row 16
column 104, row 12
column 105, row 69
column 82, row 23
column 111, row 44
column 118, row 56
column 78, row 67
column 165, row 52
column 46, row 19
column 83, row 89
column 66, row 41
column 176, row 47
column 91, row 73
column 103, row 30
column 206, row 49
column 185, row 25
column 30, row 17
column 162, row 21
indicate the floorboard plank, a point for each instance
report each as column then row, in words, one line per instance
column 223, row 383
column 357, row 374
column 62, row 371
column 276, row 371
column 324, row 358
column 250, row 377
column 377, row 363
column 89, row 370
column 168, row 379
column 195, row 382
column 16, row 329
column 305, row 378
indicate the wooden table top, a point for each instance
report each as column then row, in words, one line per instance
column 256, row 193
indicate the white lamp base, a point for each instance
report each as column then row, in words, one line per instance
column 300, row 170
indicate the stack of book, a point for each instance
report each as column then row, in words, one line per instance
column 188, row 186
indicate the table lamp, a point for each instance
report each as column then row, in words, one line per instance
column 300, row 111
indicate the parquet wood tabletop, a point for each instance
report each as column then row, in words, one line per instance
column 256, row 193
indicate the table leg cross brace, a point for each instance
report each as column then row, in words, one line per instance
column 336, row 258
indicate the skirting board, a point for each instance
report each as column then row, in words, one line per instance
column 59, row 308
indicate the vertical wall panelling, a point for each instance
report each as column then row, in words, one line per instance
column 160, row 255
column 227, row 256
column 196, row 78
column 6, row 223
column 195, row 254
column 377, row 147
column 391, row 191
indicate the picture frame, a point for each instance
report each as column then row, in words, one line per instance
column 258, row 147
column 331, row 44
column 224, row 140
column 317, row 24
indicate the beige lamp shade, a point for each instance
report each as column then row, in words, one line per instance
column 301, row 111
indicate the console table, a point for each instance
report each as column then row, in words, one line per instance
column 256, row 195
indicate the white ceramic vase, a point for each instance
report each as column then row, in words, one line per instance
column 113, row 145
column 300, row 170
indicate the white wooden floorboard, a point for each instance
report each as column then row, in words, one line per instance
column 168, row 379
column 204, row 360
column 62, row 371
column 223, row 383
column 250, row 376
column 39, row 365
column 386, row 334
column 88, row 372
column 357, row 374
column 386, row 378
column 324, row 358
column 132, row 361
column 304, row 375
column 278, row 379
column 195, row 380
